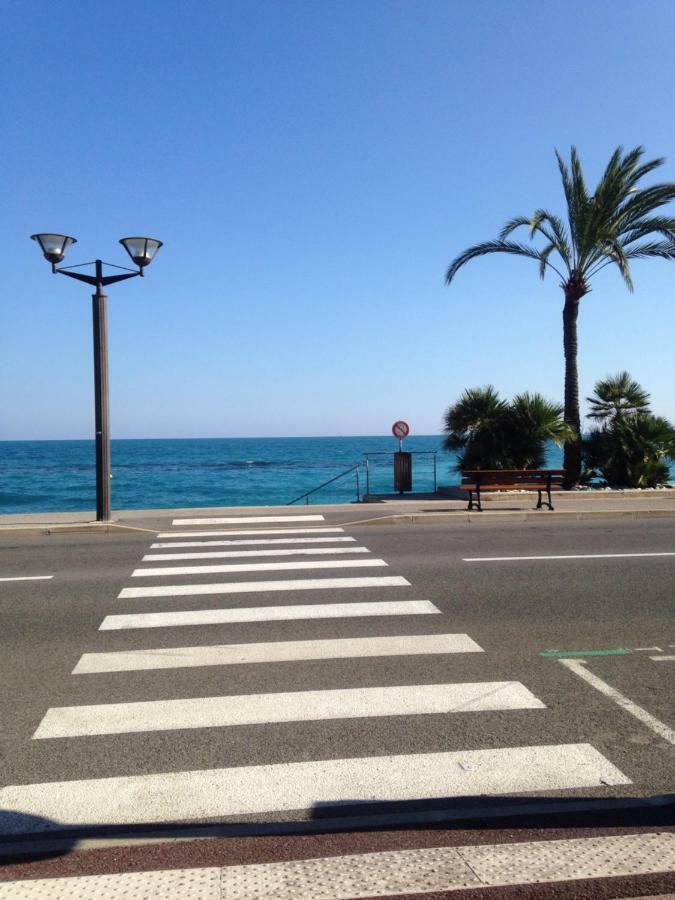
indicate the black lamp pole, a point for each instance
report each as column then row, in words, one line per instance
column 141, row 250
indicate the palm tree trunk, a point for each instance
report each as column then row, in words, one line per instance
column 572, row 457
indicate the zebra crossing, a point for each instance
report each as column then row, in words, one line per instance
column 296, row 785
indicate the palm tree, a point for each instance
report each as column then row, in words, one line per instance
column 615, row 224
column 617, row 396
column 489, row 433
column 630, row 447
column 531, row 422
column 474, row 428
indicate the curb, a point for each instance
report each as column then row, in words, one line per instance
column 525, row 516
column 74, row 528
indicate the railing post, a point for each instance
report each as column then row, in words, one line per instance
column 435, row 487
column 367, row 477
column 358, row 491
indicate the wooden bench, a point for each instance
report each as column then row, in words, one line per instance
column 476, row 480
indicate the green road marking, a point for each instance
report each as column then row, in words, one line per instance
column 559, row 653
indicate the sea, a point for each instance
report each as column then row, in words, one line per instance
column 60, row 476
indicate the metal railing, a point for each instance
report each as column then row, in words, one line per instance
column 374, row 453
column 307, row 494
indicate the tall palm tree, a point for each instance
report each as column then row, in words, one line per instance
column 615, row 224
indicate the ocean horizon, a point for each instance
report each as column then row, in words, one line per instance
column 165, row 473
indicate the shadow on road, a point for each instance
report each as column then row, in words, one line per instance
column 26, row 838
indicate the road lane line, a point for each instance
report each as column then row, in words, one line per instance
column 28, row 578
column 314, row 530
column 293, row 706
column 269, row 614
column 248, row 554
column 249, row 587
column 156, row 571
column 245, row 790
column 575, row 556
column 662, row 658
column 246, row 520
column 274, row 651
column 578, row 666
column 251, row 543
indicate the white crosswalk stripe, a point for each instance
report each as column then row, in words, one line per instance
column 246, row 520
column 249, row 543
column 273, row 651
column 201, row 794
column 247, row 587
column 234, row 554
column 269, row 614
column 263, row 709
column 230, row 531
column 227, row 568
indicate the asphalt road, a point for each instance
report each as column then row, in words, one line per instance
column 512, row 610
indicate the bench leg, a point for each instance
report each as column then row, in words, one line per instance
column 541, row 502
column 474, row 504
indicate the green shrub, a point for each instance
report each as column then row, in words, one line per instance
column 631, row 447
column 487, row 432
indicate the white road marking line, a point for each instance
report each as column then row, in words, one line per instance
column 576, row 556
column 246, row 520
column 238, row 554
column 269, row 614
column 226, row 568
column 294, row 706
column 28, row 578
column 274, row 651
column 662, row 658
column 578, row 666
column 636, row 649
column 249, row 543
column 314, row 530
column 179, row 796
column 249, row 587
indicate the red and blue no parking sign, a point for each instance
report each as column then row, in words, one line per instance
column 400, row 429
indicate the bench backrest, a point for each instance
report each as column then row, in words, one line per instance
column 486, row 477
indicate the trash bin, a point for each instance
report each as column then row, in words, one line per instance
column 402, row 471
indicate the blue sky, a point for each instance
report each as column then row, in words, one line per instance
column 312, row 168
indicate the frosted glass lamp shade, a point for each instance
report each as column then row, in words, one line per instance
column 54, row 246
column 141, row 249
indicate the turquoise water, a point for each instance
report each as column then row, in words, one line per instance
column 44, row 476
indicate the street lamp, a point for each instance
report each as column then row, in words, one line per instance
column 141, row 250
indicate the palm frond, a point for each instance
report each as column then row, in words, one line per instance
column 486, row 247
column 511, row 225
column 661, row 249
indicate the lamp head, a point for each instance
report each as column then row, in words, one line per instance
column 54, row 246
column 141, row 249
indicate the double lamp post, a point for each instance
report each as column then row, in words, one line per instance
column 141, row 250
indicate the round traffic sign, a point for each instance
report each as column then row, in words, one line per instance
column 400, row 429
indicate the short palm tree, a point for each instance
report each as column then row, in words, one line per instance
column 487, row 432
column 532, row 421
column 630, row 447
column 617, row 223
column 617, row 396
column 474, row 429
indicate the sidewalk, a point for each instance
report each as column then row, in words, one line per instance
column 425, row 870
column 383, row 509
